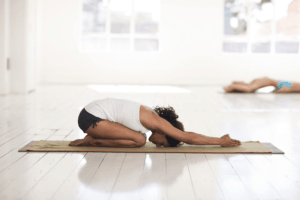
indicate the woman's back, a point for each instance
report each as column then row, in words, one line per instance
column 122, row 111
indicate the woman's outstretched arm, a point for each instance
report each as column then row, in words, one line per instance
column 152, row 121
column 195, row 138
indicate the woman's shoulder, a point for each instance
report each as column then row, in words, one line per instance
column 149, row 109
column 148, row 117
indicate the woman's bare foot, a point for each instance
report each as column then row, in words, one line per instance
column 87, row 141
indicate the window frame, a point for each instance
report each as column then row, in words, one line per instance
column 250, row 39
column 132, row 35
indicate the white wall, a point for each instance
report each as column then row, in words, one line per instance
column 4, row 46
column 192, row 33
column 22, row 46
column 31, row 44
column 17, row 46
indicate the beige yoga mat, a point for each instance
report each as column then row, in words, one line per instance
column 62, row 146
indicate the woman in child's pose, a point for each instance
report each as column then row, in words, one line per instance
column 123, row 123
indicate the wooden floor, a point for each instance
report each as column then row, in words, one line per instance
column 50, row 113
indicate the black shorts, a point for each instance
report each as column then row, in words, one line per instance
column 85, row 120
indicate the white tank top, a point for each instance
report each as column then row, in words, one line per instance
column 122, row 111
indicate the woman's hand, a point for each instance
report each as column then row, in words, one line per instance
column 226, row 141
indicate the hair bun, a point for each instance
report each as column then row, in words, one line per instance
column 168, row 113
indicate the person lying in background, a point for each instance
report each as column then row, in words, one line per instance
column 280, row 86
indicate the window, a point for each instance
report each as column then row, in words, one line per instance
column 262, row 26
column 120, row 26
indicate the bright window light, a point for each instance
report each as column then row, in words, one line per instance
column 120, row 26
column 148, row 162
column 261, row 26
column 137, row 89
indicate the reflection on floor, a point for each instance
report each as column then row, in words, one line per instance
column 51, row 112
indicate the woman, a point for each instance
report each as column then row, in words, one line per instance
column 280, row 86
column 123, row 123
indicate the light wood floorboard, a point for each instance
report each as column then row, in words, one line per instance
column 51, row 113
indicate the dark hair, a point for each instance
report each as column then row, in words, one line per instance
column 168, row 113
